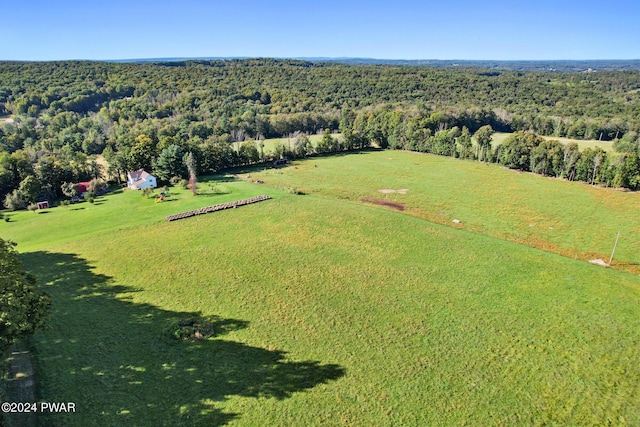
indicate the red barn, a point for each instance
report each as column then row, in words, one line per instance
column 82, row 187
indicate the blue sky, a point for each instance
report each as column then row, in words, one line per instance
column 399, row 29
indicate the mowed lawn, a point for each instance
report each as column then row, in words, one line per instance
column 325, row 312
column 119, row 210
column 568, row 218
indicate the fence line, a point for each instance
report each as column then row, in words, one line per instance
column 215, row 208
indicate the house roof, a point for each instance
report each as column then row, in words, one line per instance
column 139, row 174
column 138, row 177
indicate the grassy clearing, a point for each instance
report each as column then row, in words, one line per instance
column 499, row 137
column 326, row 312
column 569, row 218
column 117, row 211
column 288, row 142
column 342, row 314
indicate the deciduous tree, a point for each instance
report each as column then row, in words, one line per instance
column 23, row 307
column 484, row 137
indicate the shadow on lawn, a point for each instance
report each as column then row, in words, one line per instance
column 121, row 363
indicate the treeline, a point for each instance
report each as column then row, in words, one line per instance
column 451, row 135
column 56, row 117
column 529, row 152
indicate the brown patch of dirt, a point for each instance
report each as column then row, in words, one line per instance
column 387, row 203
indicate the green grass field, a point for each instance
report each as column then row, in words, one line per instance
column 568, row 218
column 499, row 137
column 118, row 211
column 288, row 142
column 328, row 310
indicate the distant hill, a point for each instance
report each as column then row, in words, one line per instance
column 520, row 65
column 557, row 65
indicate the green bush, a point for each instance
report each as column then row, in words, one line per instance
column 69, row 189
column 97, row 186
column 14, row 201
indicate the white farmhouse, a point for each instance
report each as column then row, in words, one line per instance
column 140, row 180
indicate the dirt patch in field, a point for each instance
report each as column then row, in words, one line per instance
column 387, row 203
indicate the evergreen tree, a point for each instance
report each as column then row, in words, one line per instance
column 169, row 163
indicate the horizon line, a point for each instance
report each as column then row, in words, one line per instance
column 314, row 58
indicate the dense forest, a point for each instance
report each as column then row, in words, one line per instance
column 55, row 117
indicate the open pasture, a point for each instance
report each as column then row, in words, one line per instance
column 568, row 218
column 327, row 310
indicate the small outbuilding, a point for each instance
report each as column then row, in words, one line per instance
column 139, row 180
column 43, row 205
column 82, row 187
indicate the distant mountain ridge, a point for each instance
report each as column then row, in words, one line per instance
column 515, row 65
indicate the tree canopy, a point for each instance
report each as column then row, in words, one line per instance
column 59, row 115
column 23, row 308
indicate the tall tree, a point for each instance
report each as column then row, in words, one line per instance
column 29, row 189
column 142, row 153
column 465, row 143
column 484, row 137
column 190, row 162
column 628, row 172
column 248, row 152
column 169, row 163
column 23, row 307
column 515, row 151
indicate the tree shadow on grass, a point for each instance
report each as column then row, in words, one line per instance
column 120, row 362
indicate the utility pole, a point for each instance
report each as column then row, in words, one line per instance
column 614, row 247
